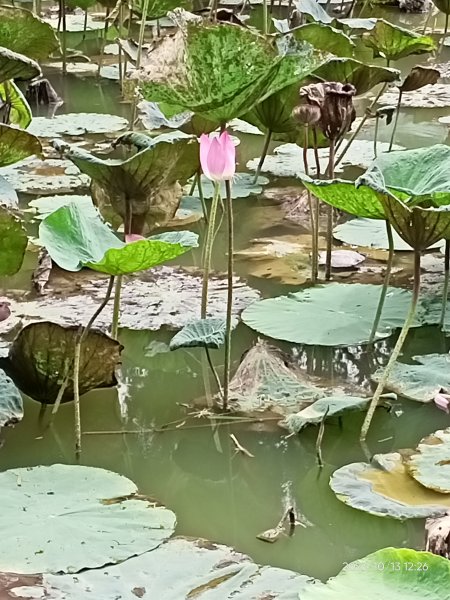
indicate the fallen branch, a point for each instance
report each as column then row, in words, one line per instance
column 239, row 447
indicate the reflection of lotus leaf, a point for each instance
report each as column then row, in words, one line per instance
column 386, row 489
column 43, row 352
column 99, row 511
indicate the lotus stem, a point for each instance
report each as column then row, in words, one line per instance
column 330, row 215
column 116, row 308
column 227, row 365
column 208, row 249
column 397, row 112
column 427, row 20
column 397, row 349
column 193, row 185
column 320, row 438
column 62, row 389
column 213, row 10
column 201, row 195
column 76, row 364
column 120, row 55
column 446, row 280
column 265, row 17
column 214, row 371
column 263, row 155
column 375, row 136
column 384, row 289
column 316, row 152
column 360, row 126
column 312, row 214
column 141, row 34
column 103, row 43
column 62, row 18
column 85, row 24
column 441, row 45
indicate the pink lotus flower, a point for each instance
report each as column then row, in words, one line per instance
column 218, row 156
column 133, row 237
column 442, row 401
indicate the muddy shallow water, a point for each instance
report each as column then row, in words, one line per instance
column 193, row 469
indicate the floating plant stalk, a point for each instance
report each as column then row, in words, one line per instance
column 397, row 348
column 384, row 289
column 263, row 155
column 228, row 327
column 397, row 112
column 446, row 280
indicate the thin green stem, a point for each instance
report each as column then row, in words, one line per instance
column 193, row 185
column 62, row 389
column 330, row 215
column 360, row 126
column 214, row 371
column 446, row 281
column 312, row 215
column 116, row 308
column 263, row 155
column 441, row 45
column 103, row 44
column 208, row 249
column 265, row 17
column 62, row 17
column 397, row 349
column 228, row 327
column 384, row 289
column 397, row 112
column 201, row 196
column 375, row 136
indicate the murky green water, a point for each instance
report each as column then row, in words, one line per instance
column 193, row 469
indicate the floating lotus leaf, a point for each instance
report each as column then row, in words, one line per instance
column 332, row 315
column 209, row 333
column 19, row 110
column 49, row 177
column 243, row 186
column 418, row 77
column 220, row 71
column 38, row 357
column 393, row 42
column 386, row 489
column 16, row 66
column 48, row 204
column 74, row 124
column 196, row 567
column 159, row 8
column 419, row 382
column 74, row 239
column 331, row 406
column 371, row 233
column 107, row 520
column 17, row 144
column 265, row 382
column 11, row 405
column 13, row 242
column 146, row 184
column 23, row 32
column 363, row 77
column 430, row 464
column 397, row 573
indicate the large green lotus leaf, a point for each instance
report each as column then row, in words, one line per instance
column 159, row 8
column 324, row 408
column 421, row 228
column 74, row 238
column 393, row 42
column 17, row 144
column 363, row 77
column 43, row 507
column 417, row 172
column 38, row 356
column 16, row 66
column 23, row 32
column 386, row 489
column 394, row 573
column 361, row 201
column 209, row 333
column 195, row 568
column 336, row 314
column 371, row 233
column 19, row 109
column 11, row 405
column 430, row 464
column 419, row 382
column 243, row 186
column 220, row 71
column 325, row 38
column 13, row 242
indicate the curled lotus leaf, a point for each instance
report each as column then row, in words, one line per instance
column 17, row 144
column 430, row 463
column 418, row 77
column 23, row 32
column 393, row 42
column 41, row 356
column 17, row 66
column 386, row 489
column 108, row 520
column 13, row 103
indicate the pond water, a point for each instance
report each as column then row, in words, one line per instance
column 193, row 468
